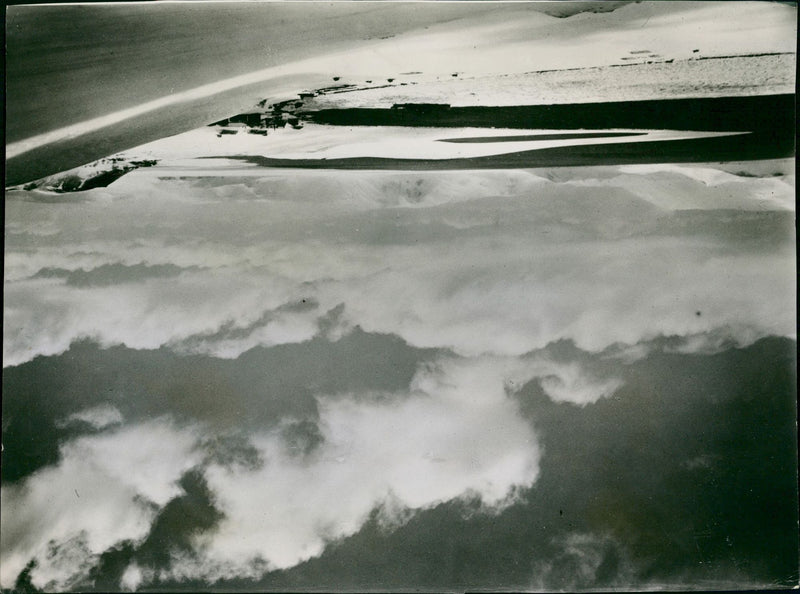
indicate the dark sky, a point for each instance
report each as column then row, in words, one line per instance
column 684, row 477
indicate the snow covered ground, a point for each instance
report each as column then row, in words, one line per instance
column 524, row 40
column 713, row 77
column 333, row 142
column 202, row 152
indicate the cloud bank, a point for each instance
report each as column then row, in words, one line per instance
column 484, row 263
column 531, row 449
column 290, row 491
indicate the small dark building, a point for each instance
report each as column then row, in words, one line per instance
column 421, row 108
column 252, row 118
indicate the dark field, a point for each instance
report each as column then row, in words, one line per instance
column 774, row 113
column 567, row 136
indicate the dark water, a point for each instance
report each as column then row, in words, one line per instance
column 698, row 150
column 66, row 154
column 67, row 64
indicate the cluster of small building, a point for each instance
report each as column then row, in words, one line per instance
column 260, row 121
column 281, row 114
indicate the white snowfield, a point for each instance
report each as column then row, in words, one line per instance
column 202, row 152
column 739, row 75
column 341, row 142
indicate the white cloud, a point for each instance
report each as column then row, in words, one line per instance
column 703, row 343
column 104, row 490
column 493, row 263
column 683, row 186
column 714, row 342
column 570, row 384
column 456, row 433
column 508, row 297
column 146, row 314
column 99, row 417
column 132, row 577
column 283, row 327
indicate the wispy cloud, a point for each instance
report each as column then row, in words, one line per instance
column 455, row 433
column 105, row 489
column 98, row 417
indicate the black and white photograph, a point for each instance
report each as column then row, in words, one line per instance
column 394, row 296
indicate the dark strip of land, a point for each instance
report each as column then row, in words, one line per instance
column 710, row 114
column 768, row 120
column 527, row 137
column 721, row 148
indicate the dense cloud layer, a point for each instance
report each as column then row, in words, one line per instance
column 267, row 378
column 485, row 263
column 454, row 430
